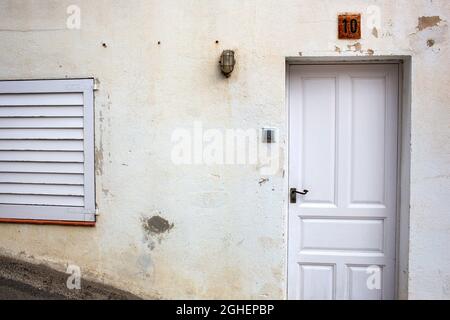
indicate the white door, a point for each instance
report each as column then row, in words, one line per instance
column 343, row 150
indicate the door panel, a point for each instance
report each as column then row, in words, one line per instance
column 367, row 140
column 318, row 140
column 343, row 149
column 318, row 282
column 362, row 235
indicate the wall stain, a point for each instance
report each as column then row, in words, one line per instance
column 428, row 22
column 356, row 47
column 370, row 52
column 157, row 225
column 145, row 264
column 155, row 228
column 99, row 160
column 375, row 32
column 105, row 192
column 337, row 49
column 262, row 181
column 430, row 32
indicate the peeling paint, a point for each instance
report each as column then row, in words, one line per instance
column 370, row 52
column 375, row 32
column 157, row 225
column 154, row 230
column 355, row 47
column 431, row 34
column 99, row 160
column 428, row 22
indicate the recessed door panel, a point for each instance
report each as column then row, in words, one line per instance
column 368, row 113
column 358, row 235
column 317, row 282
column 318, row 139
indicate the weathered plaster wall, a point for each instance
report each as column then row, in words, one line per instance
column 225, row 232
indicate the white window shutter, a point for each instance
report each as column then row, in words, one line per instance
column 47, row 150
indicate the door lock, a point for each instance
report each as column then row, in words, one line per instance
column 293, row 194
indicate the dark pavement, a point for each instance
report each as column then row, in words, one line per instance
column 21, row 280
column 14, row 290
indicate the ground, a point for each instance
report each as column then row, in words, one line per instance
column 21, row 280
column 15, row 290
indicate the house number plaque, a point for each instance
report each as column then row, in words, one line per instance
column 349, row 26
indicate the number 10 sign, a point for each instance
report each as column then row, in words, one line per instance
column 349, row 26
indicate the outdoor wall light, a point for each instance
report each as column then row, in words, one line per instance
column 227, row 62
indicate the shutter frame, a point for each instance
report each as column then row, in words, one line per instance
column 52, row 212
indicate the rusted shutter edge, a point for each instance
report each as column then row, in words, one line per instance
column 49, row 222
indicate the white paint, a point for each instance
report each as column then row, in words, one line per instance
column 343, row 149
column 30, row 137
column 220, row 213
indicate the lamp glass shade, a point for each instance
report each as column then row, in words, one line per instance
column 227, row 62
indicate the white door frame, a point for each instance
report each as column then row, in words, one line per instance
column 404, row 156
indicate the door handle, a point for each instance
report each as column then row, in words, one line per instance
column 293, row 194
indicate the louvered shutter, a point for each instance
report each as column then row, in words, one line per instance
column 47, row 150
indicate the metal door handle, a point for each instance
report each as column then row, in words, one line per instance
column 293, row 194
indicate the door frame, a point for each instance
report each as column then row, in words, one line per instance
column 403, row 162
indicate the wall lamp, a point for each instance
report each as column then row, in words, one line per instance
column 227, row 62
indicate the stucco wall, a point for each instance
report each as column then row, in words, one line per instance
column 228, row 236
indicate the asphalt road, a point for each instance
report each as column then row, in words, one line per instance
column 21, row 280
column 14, row 290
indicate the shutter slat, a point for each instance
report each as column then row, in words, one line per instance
column 52, row 134
column 41, row 189
column 63, row 201
column 42, row 111
column 41, row 145
column 42, row 178
column 38, row 99
column 41, row 123
column 41, row 167
column 42, row 156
